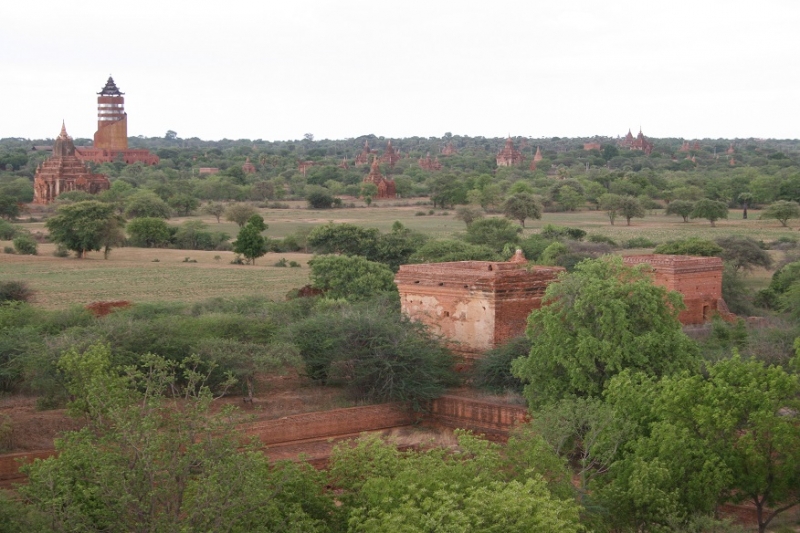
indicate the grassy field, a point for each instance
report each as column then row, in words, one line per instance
column 132, row 274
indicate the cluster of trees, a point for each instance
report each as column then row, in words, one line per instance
column 660, row 429
column 155, row 457
column 567, row 178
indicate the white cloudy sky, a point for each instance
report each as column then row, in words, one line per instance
column 276, row 70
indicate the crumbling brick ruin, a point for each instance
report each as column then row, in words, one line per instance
column 698, row 279
column 476, row 305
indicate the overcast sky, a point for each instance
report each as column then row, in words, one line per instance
column 277, row 70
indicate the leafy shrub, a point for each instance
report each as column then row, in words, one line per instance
column 639, row 242
column 281, row 262
column 8, row 250
column 15, row 291
column 25, row 245
column 493, row 370
column 7, row 230
column 452, row 250
column 61, row 251
column 320, row 199
column 596, row 238
column 377, row 356
column 550, row 231
column 294, row 264
column 420, row 214
column 690, row 246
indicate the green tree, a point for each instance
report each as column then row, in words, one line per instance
column 83, row 226
column 9, row 207
column 320, row 199
column 570, row 198
column 690, row 246
column 350, row 277
column 468, row 214
column 781, row 211
column 743, row 253
column 440, row 251
column 25, row 244
column 746, row 199
column 184, row 204
column 610, row 203
column 630, row 207
column 146, row 204
column 378, row 354
column 250, row 243
column 148, row 232
column 728, row 436
column 682, row 208
column 441, row 491
column 602, row 318
column 493, row 232
column 521, row 206
column 345, row 238
column 240, row 213
column 711, row 210
column 147, row 461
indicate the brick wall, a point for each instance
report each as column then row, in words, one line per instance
column 325, row 424
column 476, row 305
column 698, row 279
column 492, row 419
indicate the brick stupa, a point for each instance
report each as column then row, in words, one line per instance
column 509, row 156
column 64, row 172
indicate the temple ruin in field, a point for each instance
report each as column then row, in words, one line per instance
column 478, row 305
column 65, row 172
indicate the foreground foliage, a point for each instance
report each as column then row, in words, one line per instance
column 597, row 321
column 153, row 460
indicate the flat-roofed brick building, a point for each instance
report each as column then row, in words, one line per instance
column 476, row 305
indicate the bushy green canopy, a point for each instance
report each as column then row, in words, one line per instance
column 597, row 321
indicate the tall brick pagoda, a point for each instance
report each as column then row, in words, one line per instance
column 390, row 156
column 64, row 172
column 111, row 138
column 509, row 156
column 386, row 187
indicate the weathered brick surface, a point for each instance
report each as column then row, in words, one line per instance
column 349, row 421
column 476, row 305
column 492, row 419
column 313, row 435
column 698, row 279
column 10, row 464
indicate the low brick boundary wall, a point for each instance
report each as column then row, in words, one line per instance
column 10, row 463
column 328, row 424
column 314, row 434
column 492, row 419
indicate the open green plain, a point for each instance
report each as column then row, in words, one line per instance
column 133, row 274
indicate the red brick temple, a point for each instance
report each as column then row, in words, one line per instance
column 64, row 172
column 390, row 156
column 111, row 138
column 449, row 149
column 639, row 143
column 426, row 163
column 536, row 158
column 248, row 167
column 478, row 305
column 363, row 157
column 509, row 156
column 386, row 187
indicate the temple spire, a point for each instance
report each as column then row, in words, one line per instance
column 63, row 129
